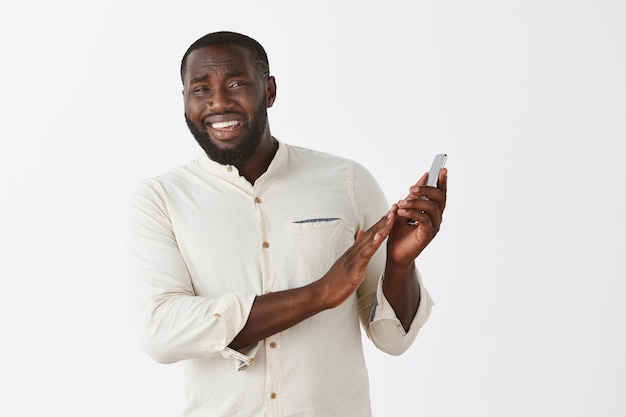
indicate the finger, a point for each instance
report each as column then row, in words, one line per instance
column 421, row 211
column 380, row 230
column 417, row 204
column 425, row 226
column 442, row 182
column 383, row 227
column 377, row 226
column 421, row 193
column 421, row 181
column 420, row 189
column 417, row 216
column 443, row 186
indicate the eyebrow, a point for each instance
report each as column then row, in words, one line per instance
column 199, row 79
column 204, row 77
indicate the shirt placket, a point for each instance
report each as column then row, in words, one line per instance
column 272, row 343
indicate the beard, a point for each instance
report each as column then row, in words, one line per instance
column 253, row 132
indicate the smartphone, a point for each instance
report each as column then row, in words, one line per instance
column 433, row 174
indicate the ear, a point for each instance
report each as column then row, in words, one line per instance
column 270, row 90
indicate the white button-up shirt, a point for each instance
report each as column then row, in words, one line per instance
column 205, row 243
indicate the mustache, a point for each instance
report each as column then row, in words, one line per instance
column 224, row 113
column 242, row 115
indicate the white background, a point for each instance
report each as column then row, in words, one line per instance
column 528, row 98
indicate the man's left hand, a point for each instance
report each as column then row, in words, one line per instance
column 419, row 219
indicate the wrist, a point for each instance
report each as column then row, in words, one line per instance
column 395, row 270
column 318, row 293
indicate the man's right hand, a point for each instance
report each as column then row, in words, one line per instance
column 348, row 272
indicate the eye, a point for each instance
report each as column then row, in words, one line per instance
column 236, row 84
column 199, row 90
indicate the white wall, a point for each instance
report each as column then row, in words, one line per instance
column 528, row 98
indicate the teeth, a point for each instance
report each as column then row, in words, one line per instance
column 223, row 125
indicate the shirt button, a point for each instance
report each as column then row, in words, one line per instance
column 272, row 344
column 273, row 395
column 257, row 200
column 266, row 245
column 229, row 168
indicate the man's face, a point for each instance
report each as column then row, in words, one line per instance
column 226, row 102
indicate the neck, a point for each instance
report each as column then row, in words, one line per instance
column 258, row 164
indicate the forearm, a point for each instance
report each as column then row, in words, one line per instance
column 401, row 289
column 274, row 312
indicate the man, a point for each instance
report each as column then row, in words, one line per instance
column 257, row 262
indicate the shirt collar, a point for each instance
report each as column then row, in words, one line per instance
column 231, row 173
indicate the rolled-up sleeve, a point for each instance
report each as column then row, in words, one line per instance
column 385, row 328
column 171, row 321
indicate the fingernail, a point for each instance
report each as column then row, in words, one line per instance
column 376, row 237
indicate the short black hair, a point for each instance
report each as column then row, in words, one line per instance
column 230, row 38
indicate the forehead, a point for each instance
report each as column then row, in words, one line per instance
column 219, row 59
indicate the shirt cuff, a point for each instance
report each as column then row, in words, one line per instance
column 242, row 360
column 384, row 321
column 234, row 315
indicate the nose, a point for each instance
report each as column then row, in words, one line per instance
column 219, row 100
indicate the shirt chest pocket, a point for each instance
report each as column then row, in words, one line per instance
column 316, row 244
